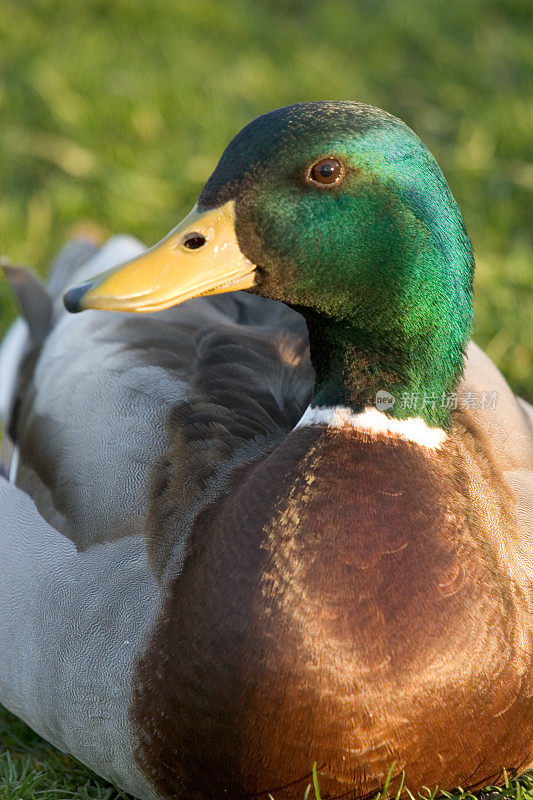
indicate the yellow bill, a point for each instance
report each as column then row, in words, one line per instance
column 200, row 256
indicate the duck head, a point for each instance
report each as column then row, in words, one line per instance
column 340, row 211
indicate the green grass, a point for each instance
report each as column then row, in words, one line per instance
column 117, row 111
column 31, row 769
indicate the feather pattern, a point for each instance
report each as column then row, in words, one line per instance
column 213, row 374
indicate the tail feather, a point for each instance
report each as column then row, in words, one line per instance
column 39, row 304
column 34, row 299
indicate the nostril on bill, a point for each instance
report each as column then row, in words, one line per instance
column 193, row 240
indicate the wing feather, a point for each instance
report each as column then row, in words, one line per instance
column 94, row 415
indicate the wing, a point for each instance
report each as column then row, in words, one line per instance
column 97, row 399
column 500, row 420
column 504, row 428
column 71, row 628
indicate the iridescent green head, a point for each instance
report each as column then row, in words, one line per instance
column 373, row 252
column 340, row 211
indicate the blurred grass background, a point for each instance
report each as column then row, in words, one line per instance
column 117, row 111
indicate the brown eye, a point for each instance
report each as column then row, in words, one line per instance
column 327, row 172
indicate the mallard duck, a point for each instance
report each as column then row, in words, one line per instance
column 220, row 567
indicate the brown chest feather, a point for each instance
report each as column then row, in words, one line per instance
column 346, row 604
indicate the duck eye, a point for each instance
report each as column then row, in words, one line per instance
column 193, row 240
column 326, row 172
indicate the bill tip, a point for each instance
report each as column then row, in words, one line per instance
column 73, row 297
